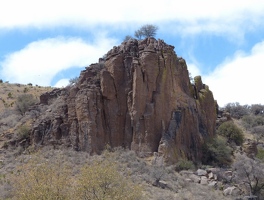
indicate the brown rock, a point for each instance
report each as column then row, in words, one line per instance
column 139, row 97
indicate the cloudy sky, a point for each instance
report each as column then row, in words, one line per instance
column 49, row 42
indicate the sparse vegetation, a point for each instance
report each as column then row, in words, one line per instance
column 100, row 179
column 39, row 179
column 24, row 101
column 236, row 110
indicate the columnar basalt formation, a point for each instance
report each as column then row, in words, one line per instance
column 139, row 97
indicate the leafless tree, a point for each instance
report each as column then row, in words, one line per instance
column 128, row 37
column 147, row 30
column 251, row 173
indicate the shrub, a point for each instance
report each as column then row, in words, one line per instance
column 39, row 179
column 231, row 132
column 260, row 154
column 101, row 180
column 1, row 81
column 44, row 178
column 24, row 101
column 73, row 80
column 23, row 132
column 216, row 152
column 25, row 90
column 184, row 164
column 10, row 95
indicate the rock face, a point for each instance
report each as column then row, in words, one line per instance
column 138, row 97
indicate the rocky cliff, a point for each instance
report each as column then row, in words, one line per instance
column 139, row 97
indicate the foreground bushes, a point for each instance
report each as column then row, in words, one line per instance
column 39, row 179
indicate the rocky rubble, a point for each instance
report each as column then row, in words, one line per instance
column 138, row 96
column 215, row 178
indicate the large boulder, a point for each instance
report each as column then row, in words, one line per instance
column 139, row 97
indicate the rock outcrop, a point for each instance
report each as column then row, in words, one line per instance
column 138, row 97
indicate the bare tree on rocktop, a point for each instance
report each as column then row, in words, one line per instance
column 147, row 30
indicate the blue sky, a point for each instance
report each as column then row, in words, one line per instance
column 49, row 42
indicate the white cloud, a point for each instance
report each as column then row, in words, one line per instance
column 40, row 61
column 194, row 70
column 239, row 79
column 192, row 16
column 62, row 83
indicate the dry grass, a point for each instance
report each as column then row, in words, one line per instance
column 136, row 169
column 247, row 134
column 9, row 93
column 10, row 118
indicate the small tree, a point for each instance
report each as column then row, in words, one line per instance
column 101, row 180
column 147, row 30
column 73, row 80
column 251, row 173
column 128, row 37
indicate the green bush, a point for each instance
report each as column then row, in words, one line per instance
column 24, row 132
column 216, row 152
column 184, row 164
column 24, row 101
column 260, row 154
column 231, row 132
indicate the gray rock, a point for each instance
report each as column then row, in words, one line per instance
column 201, row 172
column 232, row 191
column 194, row 178
column 204, row 180
column 228, row 173
column 212, row 184
column 211, row 175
